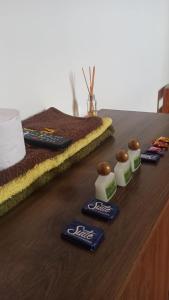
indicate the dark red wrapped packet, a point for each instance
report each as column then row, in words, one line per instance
column 160, row 144
column 155, row 150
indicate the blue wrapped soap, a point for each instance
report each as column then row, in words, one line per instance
column 152, row 158
column 100, row 209
column 84, row 235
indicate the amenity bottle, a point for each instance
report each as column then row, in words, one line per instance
column 134, row 153
column 105, row 185
column 122, row 170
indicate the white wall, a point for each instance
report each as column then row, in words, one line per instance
column 42, row 41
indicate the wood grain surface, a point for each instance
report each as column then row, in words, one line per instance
column 36, row 264
column 150, row 277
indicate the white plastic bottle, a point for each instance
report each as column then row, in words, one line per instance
column 105, row 185
column 122, row 170
column 134, row 153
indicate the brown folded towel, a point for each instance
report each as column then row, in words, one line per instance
column 62, row 124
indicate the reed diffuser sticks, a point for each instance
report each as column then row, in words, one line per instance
column 74, row 99
column 90, row 87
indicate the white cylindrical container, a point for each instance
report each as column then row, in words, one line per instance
column 12, row 146
column 105, row 185
column 134, row 153
column 122, row 170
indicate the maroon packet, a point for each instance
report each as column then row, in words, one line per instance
column 160, row 144
column 156, row 150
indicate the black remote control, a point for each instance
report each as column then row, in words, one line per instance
column 46, row 140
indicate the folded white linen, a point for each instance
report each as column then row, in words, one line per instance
column 12, row 146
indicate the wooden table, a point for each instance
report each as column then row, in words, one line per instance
column 133, row 261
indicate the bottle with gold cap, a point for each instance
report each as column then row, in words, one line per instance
column 134, row 153
column 122, row 170
column 105, row 185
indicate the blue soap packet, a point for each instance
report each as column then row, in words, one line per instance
column 147, row 157
column 84, row 235
column 100, row 209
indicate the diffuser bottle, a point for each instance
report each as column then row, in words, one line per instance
column 105, row 185
column 91, row 106
column 122, row 170
column 134, row 153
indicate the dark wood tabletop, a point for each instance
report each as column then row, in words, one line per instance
column 36, row 264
